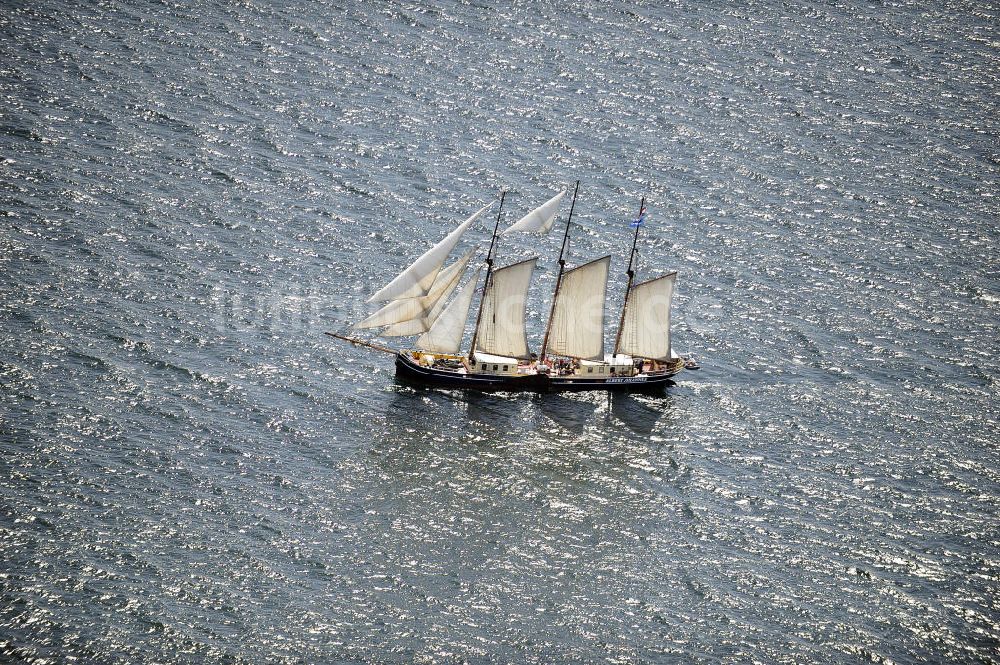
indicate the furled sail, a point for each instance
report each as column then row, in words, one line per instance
column 501, row 323
column 540, row 219
column 445, row 334
column 406, row 309
column 646, row 324
column 416, row 280
column 577, row 325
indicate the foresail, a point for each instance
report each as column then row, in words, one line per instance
column 540, row 219
column 445, row 334
column 645, row 329
column 406, row 309
column 501, row 323
column 422, row 323
column 577, row 325
column 454, row 271
column 394, row 312
column 417, row 280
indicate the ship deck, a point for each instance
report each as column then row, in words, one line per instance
column 528, row 378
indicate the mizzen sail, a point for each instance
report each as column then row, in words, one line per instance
column 540, row 219
column 645, row 329
column 577, row 325
column 501, row 329
column 417, row 279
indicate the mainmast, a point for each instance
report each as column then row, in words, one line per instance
column 489, row 273
column 631, row 273
column 562, row 268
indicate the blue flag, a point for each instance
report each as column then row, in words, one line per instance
column 636, row 223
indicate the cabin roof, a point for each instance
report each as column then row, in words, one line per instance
column 490, row 358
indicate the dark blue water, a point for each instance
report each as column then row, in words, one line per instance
column 191, row 193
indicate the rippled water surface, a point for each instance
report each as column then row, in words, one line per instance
column 193, row 192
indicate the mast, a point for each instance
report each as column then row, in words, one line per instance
column 562, row 267
column 630, row 273
column 489, row 273
column 502, row 324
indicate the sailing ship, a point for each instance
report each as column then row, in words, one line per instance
column 572, row 354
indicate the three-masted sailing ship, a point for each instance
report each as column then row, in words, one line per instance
column 572, row 354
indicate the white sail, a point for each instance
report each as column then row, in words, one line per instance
column 645, row 330
column 445, row 334
column 408, row 328
column 422, row 323
column 452, row 273
column 577, row 325
column 501, row 324
column 405, row 309
column 540, row 219
column 416, row 280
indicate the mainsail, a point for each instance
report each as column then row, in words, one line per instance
column 445, row 334
column 577, row 325
column 406, row 309
column 540, row 219
column 416, row 280
column 500, row 330
column 645, row 329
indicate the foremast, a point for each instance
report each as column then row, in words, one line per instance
column 489, row 275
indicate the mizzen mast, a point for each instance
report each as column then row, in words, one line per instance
column 631, row 273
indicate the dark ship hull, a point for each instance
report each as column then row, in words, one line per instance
column 412, row 372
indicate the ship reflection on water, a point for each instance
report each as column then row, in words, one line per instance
column 502, row 413
column 640, row 413
column 572, row 413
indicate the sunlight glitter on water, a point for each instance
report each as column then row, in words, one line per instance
column 189, row 470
